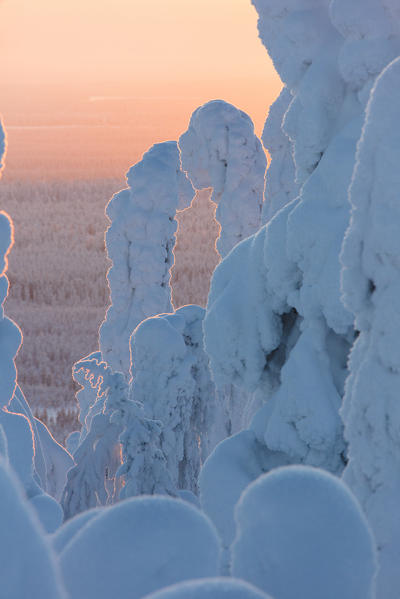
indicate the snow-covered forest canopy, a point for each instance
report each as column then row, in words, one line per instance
column 249, row 448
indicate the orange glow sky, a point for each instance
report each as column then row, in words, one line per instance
column 147, row 63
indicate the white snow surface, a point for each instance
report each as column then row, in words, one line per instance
column 280, row 186
column 28, row 567
column 210, row 588
column 69, row 529
column 233, row 465
column 140, row 242
column 172, row 380
column 220, row 150
column 301, row 533
column 371, row 288
column 138, row 546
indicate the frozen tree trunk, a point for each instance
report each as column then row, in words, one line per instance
column 140, row 242
column 371, row 287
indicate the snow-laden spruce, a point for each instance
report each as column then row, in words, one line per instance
column 280, row 186
column 173, row 383
column 91, row 482
column 301, row 533
column 138, row 546
column 285, row 334
column 140, row 242
column 119, row 453
column 220, row 150
column 371, row 29
column 371, row 288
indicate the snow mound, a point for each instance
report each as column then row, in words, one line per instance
column 210, row 588
column 301, row 533
column 232, row 466
column 68, row 530
column 137, row 547
column 27, row 565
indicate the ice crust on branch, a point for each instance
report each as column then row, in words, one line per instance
column 371, row 287
column 140, row 242
column 220, row 150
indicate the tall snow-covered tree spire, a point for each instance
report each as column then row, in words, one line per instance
column 371, row 288
column 220, row 150
column 140, row 242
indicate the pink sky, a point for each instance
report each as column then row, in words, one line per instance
column 149, row 64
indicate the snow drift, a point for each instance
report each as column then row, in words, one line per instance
column 301, row 533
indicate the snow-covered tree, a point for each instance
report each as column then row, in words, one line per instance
column 91, row 482
column 220, row 150
column 173, row 383
column 371, row 288
column 140, row 242
column 280, row 185
column 119, row 453
column 285, row 334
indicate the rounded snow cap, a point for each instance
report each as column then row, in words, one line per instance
column 210, row 588
column 301, row 533
column 138, row 546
